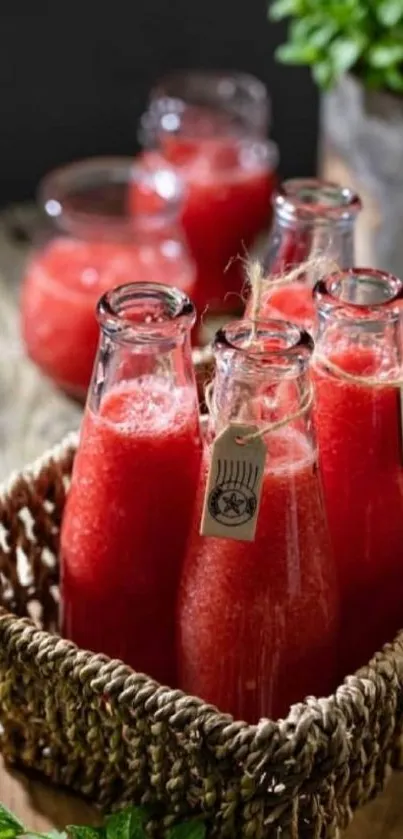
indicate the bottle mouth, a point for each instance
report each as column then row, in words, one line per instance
column 96, row 197
column 239, row 95
column 309, row 199
column 359, row 292
column 265, row 341
column 145, row 313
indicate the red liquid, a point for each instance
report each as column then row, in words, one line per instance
column 126, row 523
column 227, row 203
column 258, row 620
column 293, row 302
column 359, row 441
column 62, row 287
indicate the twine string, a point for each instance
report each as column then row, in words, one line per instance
column 365, row 381
column 304, row 406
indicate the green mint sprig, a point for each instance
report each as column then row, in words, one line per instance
column 128, row 823
column 333, row 37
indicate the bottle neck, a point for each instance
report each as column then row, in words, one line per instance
column 358, row 321
column 260, row 379
column 145, row 332
column 293, row 241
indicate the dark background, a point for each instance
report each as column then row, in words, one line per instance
column 74, row 77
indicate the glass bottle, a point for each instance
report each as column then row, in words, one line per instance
column 92, row 242
column 358, row 376
column 229, row 173
column 311, row 218
column 134, row 480
column 236, row 101
column 258, row 620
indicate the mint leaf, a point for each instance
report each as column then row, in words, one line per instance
column 10, row 827
column 281, row 8
column 127, row 824
column 296, row 53
column 54, row 834
column 385, row 55
column 83, row 832
column 192, row 829
column 390, row 12
column 323, row 74
column 394, row 79
column 344, row 53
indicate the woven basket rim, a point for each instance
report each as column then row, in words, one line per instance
column 329, row 720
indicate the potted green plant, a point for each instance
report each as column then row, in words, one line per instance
column 355, row 51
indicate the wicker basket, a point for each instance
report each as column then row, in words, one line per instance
column 99, row 728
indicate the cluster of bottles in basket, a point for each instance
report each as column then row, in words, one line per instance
column 256, row 623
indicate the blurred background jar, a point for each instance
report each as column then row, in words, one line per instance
column 238, row 100
column 212, row 127
column 92, row 243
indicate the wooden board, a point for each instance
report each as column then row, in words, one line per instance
column 41, row 807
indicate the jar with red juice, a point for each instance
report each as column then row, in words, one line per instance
column 91, row 244
column 218, row 145
column 312, row 218
column 135, row 476
column 358, row 376
column 258, row 620
column 238, row 101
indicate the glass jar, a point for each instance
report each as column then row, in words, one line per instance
column 258, row 620
column 312, row 218
column 92, row 243
column 134, row 480
column 358, row 376
column 230, row 173
column 234, row 101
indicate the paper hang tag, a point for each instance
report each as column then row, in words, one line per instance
column 232, row 498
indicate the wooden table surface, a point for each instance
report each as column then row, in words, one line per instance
column 42, row 807
column 33, row 415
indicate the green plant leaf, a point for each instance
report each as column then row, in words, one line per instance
column 10, row 827
column 322, row 35
column 389, row 12
column 344, row 53
column 281, row 9
column 296, row 54
column 385, row 55
column 323, row 74
column 394, row 79
column 83, row 832
column 192, row 829
column 56, row 834
column 127, row 824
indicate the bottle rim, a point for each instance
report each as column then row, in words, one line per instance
column 227, row 85
column 312, row 199
column 93, row 195
column 165, row 310
column 341, row 294
column 248, row 338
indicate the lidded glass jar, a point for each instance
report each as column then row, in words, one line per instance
column 258, row 619
column 212, row 128
column 234, row 101
column 92, row 242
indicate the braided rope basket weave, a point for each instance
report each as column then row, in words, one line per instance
column 95, row 726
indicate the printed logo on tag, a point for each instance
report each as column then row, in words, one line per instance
column 231, row 502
